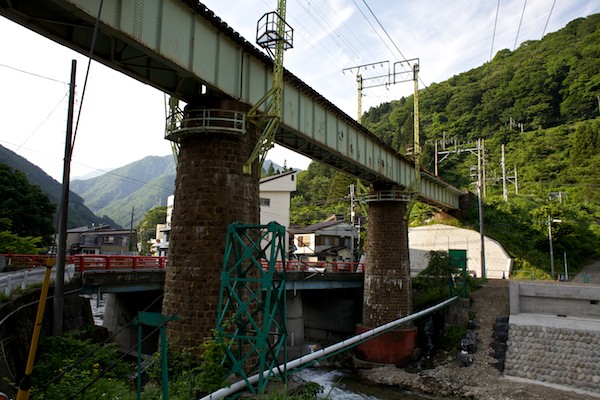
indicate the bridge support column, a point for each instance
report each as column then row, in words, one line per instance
column 295, row 325
column 211, row 191
column 387, row 288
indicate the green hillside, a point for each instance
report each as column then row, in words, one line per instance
column 140, row 185
column 542, row 102
column 79, row 214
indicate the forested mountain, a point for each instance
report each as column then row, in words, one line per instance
column 515, row 99
column 79, row 214
column 542, row 101
column 137, row 186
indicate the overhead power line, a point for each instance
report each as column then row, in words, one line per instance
column 520, row 22
column 494, row 33
column 548, row 20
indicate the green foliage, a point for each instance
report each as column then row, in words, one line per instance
column 19, row 245
column 147, row 227
column 212, row 371
column 432, row 284
column 452, row 337
column 24, row 207
column 59, row 353
column 321, row 192
column 188, row 373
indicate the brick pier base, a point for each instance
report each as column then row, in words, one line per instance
column 211, row 192
column 387, row 289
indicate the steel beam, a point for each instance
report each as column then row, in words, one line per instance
column 179, row 46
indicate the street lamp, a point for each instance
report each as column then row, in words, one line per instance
column 550, row 221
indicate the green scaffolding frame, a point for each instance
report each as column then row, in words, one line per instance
column 251, row 315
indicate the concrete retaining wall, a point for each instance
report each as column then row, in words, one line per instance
column 554, row 334
column 555, row 350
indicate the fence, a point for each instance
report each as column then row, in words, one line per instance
column 11, row 281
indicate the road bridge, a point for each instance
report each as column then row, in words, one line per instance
column 182, row 48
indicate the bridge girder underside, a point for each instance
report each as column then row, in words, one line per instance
column 230, row 68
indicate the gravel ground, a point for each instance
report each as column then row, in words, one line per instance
column 480, row 380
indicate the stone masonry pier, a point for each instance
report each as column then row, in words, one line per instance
column 211, row 192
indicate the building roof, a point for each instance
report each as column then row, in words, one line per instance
column 317, row 227
column 277, row 176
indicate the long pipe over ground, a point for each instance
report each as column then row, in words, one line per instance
column 345, row 344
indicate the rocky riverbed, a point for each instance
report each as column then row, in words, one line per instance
column 480, row 380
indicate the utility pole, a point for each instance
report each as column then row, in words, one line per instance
column 480, row 204
column 59, row 277
column 131, row 231
column 551, row 249
column 352, row 222
column 503, row 164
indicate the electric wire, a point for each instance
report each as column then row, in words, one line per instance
column 87, row 74
column 548, row 20
column 494, row 32
column 36, row 129
column 33, row 74
column 520, row 22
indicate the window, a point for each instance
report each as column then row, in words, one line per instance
column 109, row 239
column 304, row 241
column 265, row 202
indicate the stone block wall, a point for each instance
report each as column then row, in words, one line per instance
column 555, row 350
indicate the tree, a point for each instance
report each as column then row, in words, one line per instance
column 147, row 227
column 25, row 208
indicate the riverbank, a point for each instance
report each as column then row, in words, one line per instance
column 481, row 380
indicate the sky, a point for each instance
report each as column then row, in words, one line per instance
column 122, row 120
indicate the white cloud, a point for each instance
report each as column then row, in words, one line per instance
column 123, row 120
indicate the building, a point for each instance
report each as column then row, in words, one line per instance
column 423, row 239
column 275, row 197
column 331, row 240
column 102, row 240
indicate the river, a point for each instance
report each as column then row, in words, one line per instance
column 337, row 384
column 345, row 385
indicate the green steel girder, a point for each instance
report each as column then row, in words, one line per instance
column 252, row 301
column 181, row 47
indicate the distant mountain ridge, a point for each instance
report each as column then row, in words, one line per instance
column 138, row 186
column 111, row 197
column 79, row 213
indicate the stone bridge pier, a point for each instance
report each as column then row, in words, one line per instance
column 211, row 191
column 387, row 287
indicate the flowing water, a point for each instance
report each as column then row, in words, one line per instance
column 337, row 384
column 344, row 385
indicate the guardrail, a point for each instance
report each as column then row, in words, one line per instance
column 10, row 281
column 117, row 263
column 84, row 262
column 103, row 262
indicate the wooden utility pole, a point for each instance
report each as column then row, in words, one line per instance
column 59, row 277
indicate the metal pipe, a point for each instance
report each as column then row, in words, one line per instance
column 298, row 362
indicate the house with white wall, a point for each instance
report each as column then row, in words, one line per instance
column 330, row 240
column 275, row 198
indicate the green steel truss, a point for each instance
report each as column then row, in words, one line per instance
column 276, row 36
column 252, row 301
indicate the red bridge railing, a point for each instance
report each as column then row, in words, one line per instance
column 86, row 262
column 100, row 262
